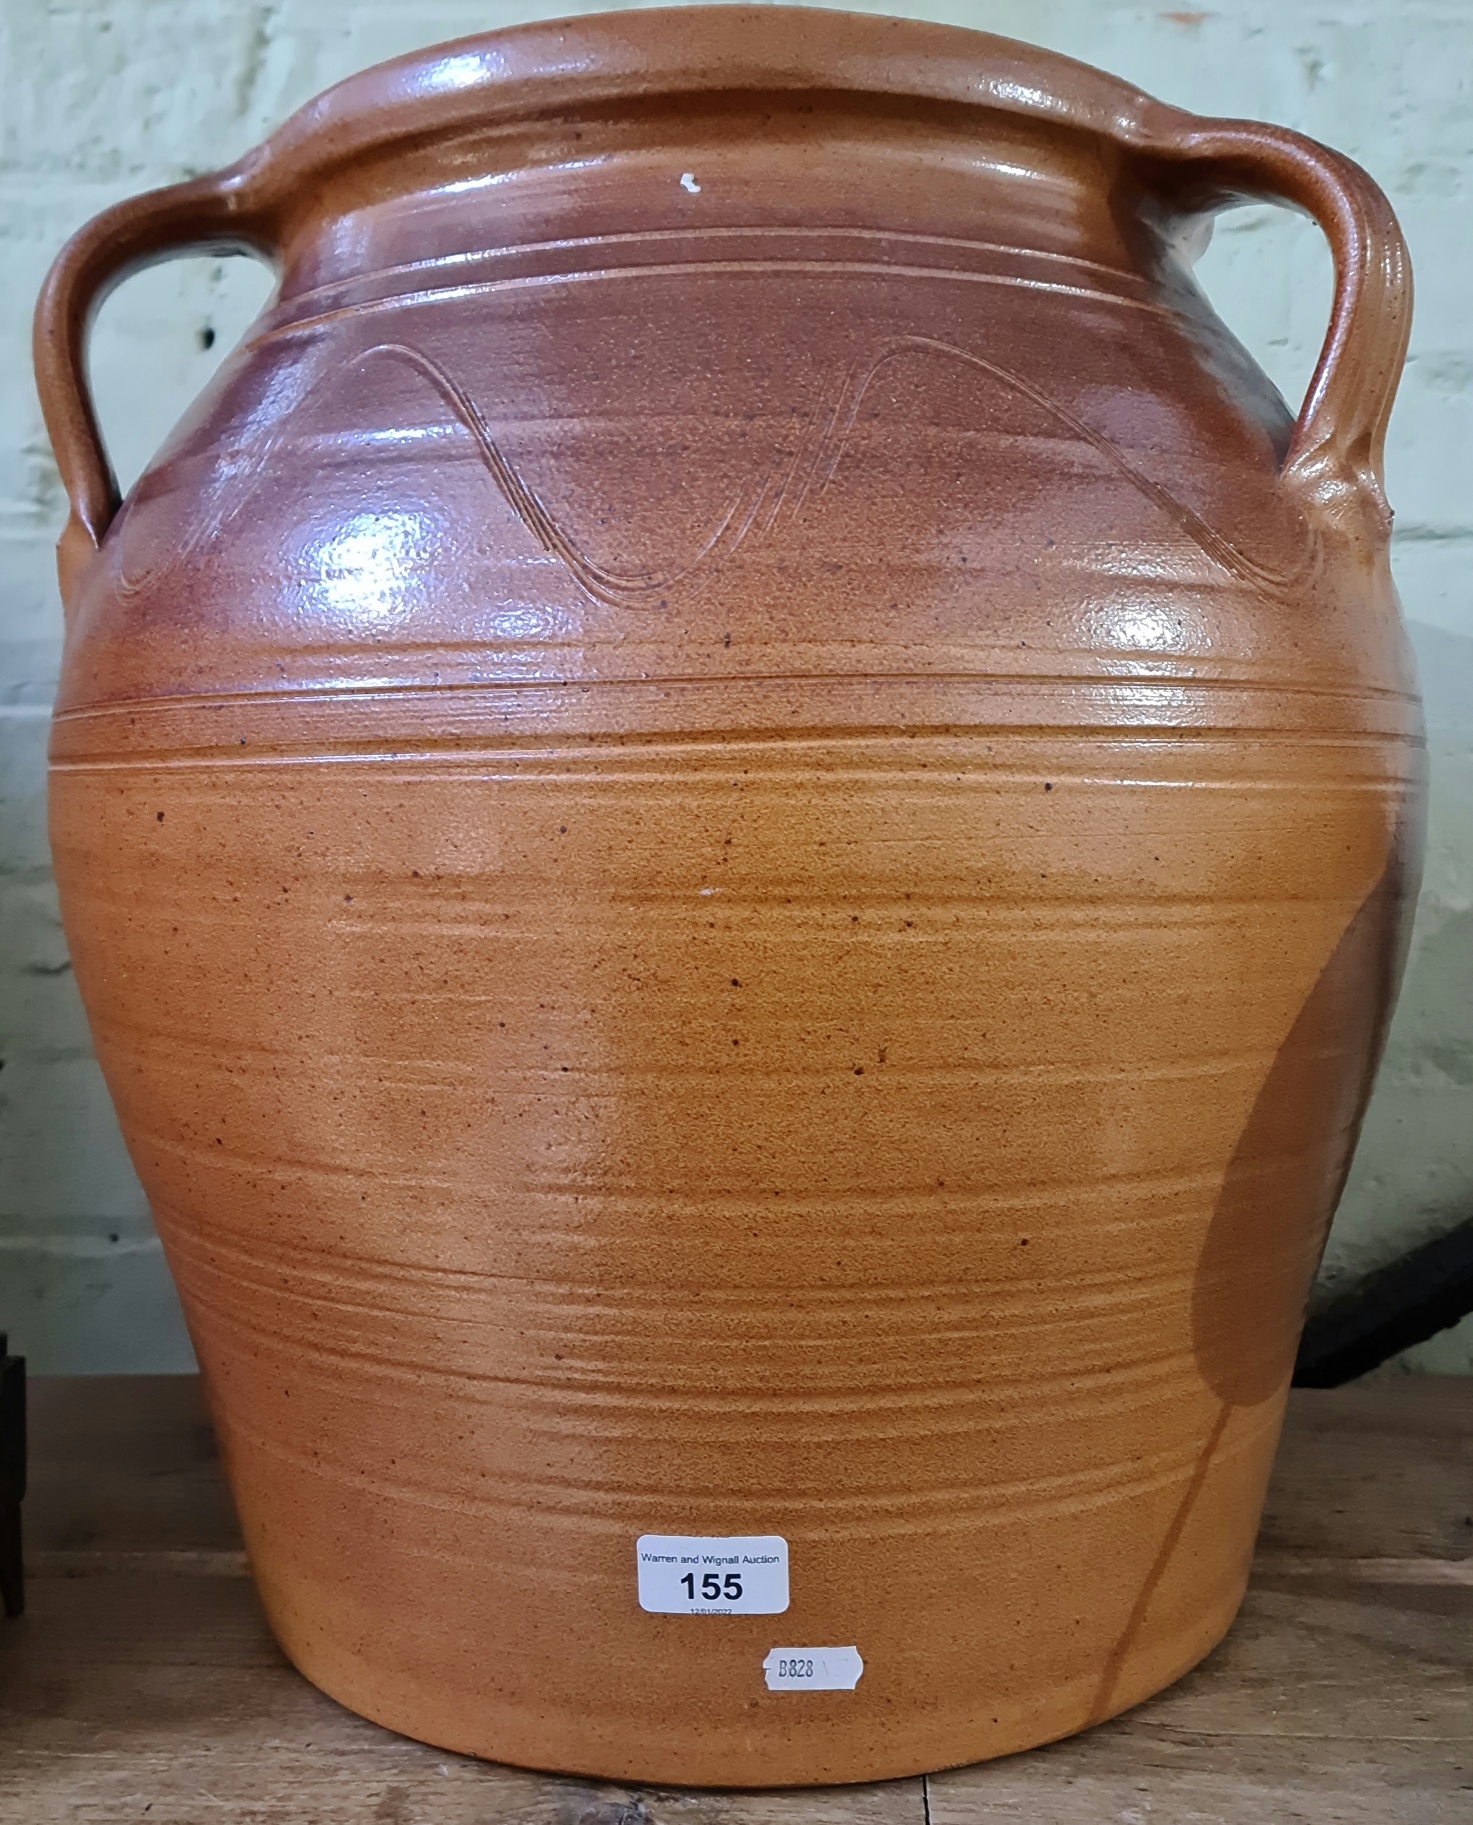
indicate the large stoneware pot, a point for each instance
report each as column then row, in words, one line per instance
column 736, row 815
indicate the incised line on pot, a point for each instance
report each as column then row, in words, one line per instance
column 758, row 505
column 813, row 465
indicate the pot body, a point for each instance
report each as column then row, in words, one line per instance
column 737, row 859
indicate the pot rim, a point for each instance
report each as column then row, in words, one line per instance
column 520, row 71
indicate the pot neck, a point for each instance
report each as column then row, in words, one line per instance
column 812, row 178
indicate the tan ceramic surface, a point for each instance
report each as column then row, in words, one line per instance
column 736, row 817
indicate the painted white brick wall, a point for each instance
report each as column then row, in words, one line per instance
column 103, row 98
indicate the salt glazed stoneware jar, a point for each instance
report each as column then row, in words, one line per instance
column 737, row 816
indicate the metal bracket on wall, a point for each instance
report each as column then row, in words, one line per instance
column 1423, row 1293
column 12, row 1477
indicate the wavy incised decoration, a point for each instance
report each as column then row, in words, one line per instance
column 758, row 506
column 608, row 585
column 781, row 490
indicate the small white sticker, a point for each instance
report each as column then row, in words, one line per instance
column 813, row 1669
column 687, row 1575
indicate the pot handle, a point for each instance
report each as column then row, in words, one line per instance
column 1335, row 453
column 208, row 214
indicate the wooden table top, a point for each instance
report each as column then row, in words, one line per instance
column 142, row 1683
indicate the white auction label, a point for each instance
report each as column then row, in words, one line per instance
column 686, row 1575
column 813, row 1669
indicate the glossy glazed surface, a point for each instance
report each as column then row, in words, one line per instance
column 736, row 817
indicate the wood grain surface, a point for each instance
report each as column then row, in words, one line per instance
column 142, row 1684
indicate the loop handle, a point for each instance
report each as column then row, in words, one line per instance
column 1335, row 456
column 209, row 214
